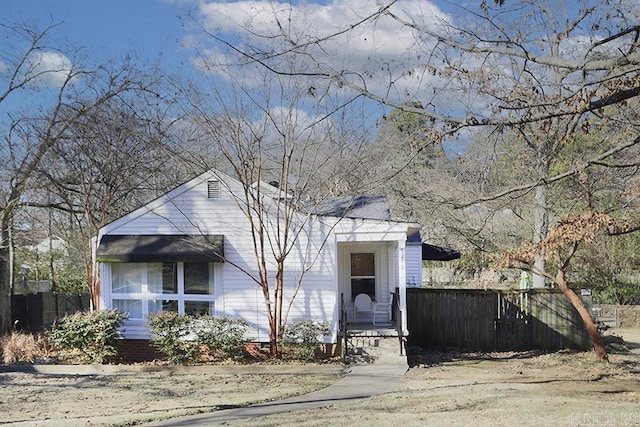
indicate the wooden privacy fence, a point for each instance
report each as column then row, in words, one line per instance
column 493, row 320
column 36, row 312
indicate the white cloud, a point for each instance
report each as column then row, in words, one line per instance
column 379, row 39
column 367, row 48
column 50, row 69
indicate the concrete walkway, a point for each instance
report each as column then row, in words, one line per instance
column 360, row 382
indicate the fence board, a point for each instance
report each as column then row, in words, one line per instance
column 36, row 312
column 471, row 319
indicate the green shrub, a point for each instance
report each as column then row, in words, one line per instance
column 172, row 334
column 619, row 292
column 304, row 338
column 223, row 336
column 93, row 334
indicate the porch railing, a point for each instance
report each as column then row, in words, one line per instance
column 397, row 316
column 343, row 328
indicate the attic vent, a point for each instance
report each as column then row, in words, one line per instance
column 213, row 189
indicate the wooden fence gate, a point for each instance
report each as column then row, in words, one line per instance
column 493, row 320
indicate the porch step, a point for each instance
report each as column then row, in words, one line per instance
column 362, row 342
column 375, row 349
column 368, row 330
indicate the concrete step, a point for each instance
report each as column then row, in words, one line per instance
column 369, row 330
column 381, row 350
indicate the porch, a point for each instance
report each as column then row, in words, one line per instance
column 369, row 330
column 366, row 343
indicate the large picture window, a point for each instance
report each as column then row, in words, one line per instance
column 141, row 289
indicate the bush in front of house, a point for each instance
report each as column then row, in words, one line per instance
column 223, row 336
column 93, row 335
column 171, row 333
column 20, row 347
column 303, row 338
column 182, row 337
column 186, row 339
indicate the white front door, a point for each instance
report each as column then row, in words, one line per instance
column 363, row 269
column 362, row 274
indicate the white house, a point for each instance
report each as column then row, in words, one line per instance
column 191, row 251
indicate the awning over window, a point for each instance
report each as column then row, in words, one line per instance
column 161, row 248
column 437, row 253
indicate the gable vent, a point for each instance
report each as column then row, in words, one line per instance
column 213, row 189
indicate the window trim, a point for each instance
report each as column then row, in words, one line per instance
column 145, row 295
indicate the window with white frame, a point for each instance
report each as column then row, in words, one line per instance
column 363, row 275
column 141, row 289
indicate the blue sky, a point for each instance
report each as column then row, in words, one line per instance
column 162, row 29
column 152, row 29
column 108, row 28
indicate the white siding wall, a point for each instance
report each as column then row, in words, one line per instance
column 191, row 212
column 414, row 265
column 188, row 210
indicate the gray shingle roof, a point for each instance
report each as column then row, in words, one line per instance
column 367, row 207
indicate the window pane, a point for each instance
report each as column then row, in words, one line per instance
column 127, row 278
column 156, row 305
column 363, row 286
column 154, row 277
column 169, row 277
column 131, row 306
column 162, row 277
column 363, row 265
column 198, row 308
column 196, row 278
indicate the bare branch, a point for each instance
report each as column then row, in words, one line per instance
column 596, row 161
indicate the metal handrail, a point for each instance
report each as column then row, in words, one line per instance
column 397, row 314
column 343, row 328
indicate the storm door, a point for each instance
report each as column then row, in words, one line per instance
column 363, row 274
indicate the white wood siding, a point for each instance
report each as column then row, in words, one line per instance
column 314, row 263
column 414, row 265
column 191, row 212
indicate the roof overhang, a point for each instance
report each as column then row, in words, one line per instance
column 161, row 248
column 437, row 253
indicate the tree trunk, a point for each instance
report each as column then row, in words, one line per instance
column 92, row 275
column 592, row 329
column 279, row 304
column 541, row 229
column 5, row 278
column 274, row 349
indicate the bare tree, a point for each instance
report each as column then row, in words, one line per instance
column 279, row 144
column 56, row 91
column 540, row 72
column 109, row 162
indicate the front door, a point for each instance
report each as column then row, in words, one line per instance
column 362, row 277
column 363, row 269
column 371, row 268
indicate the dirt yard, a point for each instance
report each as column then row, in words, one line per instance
column 501, row 389
column 70, row 396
